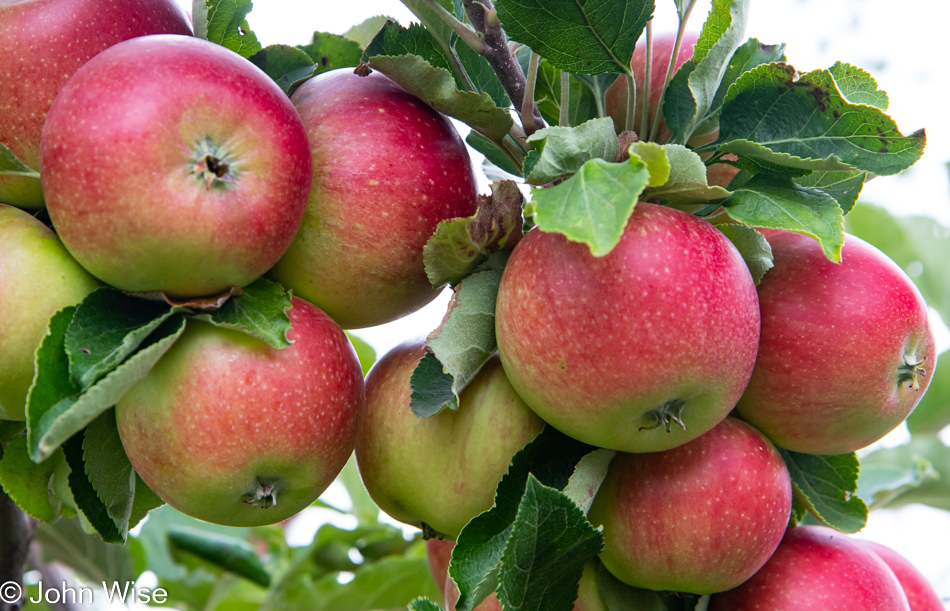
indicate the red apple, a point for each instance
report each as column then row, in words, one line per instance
column 387, row 169
column 230, row 430
column 817, row 569
column 640, row 350
column 172, row 164
column 441, row 470
column 845, row 348
column 44, row 43
column 700, row 518
column 439, row 554
column 37, row 279
column 615, row 99
column 920, row 594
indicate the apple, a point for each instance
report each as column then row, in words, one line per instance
column 172, row 164
column 641, row 350
column 440, row 471
column 439, row 554
column 920, row 594
column 44, row 43
column 700, row 518
column 845, row 349
column 37, row 279
column 588, row 593
column 615, row 98
column 387, row 169
column 817, row 569
column 230, row 430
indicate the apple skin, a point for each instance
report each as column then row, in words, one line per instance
column 834, row 339
column 441, row 470
column 615, row 98
column 439, row 555
column 37, row 279
column 920, row 594
column 128, row 183
column 817, row 569
column 700, row 518
column 386, row 170
column 223, row 413
column 42, row 48
column 594, row 345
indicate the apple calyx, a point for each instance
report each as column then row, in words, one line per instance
column 430, row 533
column 665, row 415
column 264, row 496
column 212, row 165
column 911, row 372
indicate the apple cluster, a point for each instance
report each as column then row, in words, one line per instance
column 174, row 169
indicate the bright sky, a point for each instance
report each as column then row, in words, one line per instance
column 902, row 45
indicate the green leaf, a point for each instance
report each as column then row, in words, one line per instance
column 618, row 596
column 587, row 478
column 492, row 153
column 561, row 151
column 657, row 160
column 288, row 66
column 858, row 86
column 436, row 87
column 551, row 458
column 260, row 311
column 332, row 51
column 758, row 158
column 693, row 91
column 92, row 559
column 143, row 502
column 439, row 29
column 827, row 486
column 364, row 508
column 87, row 501
column 8, row 430
column 364, row 352
column 225, row 22
column 807, row 117
column 752, row 245
column 462, row 344
column 364, row 32
column 106, row 329
column 394, row 40
column 586, row 36
column 227, row 553
column 547, row 91
column 56, row 410
column 460, row 245
column 750, row 55
column 431, row 388
column 424, row 604
column 687, row 183
column 108, row 468
column 30, row 485
column 778, row 203
column 929, row 448
column 593, row 206
column 10, row 164
column 550, row 542
column 483, row 76
column 932, row 414
column 880, row 485
column 845, row 187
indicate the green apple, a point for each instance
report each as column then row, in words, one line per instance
column 38, row 278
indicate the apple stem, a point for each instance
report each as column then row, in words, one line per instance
column 665, row 415
column 647, row 74
column 264, row 496
column 564, row 117
column 684, row 18
column 527, row 106
column 911, row 372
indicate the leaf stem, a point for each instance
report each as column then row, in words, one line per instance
column 647, row 74
column 563, row 118
column 466, row 33
column 669, row 72
column 485, row 20
column 527, row 106
column 631, row 100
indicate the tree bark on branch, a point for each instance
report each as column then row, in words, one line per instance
column 16, row 534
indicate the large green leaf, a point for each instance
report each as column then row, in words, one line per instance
column 260, row 310
column 687, row 182
column 586, row 36
column 29, row 484
column 225, row 22
column 807, row 117
column 827, row 487
column 750, row 55
column 561, row 151
column 859, row 86
column 845, row 187
column 931, row 491
column 752, row 245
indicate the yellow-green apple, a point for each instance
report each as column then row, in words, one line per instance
column 615, row 98
column 44, row 43
column 190, row 177
column 700, row 518
column 817, row 569
column 640, row 350
column 588, row 593
column 845, row 347
column 386, row 170
column 441, row 471
column 921, row 596
column 37, row 279
column 230, row 430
